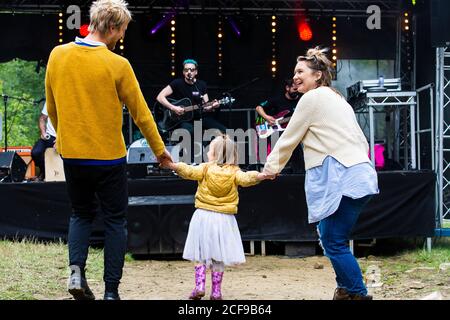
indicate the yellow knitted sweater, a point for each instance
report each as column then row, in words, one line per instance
column 326, row 125
column 86, row 88
column 217, row 185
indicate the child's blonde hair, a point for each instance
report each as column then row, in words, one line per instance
column 108, row 13
column 225, row 150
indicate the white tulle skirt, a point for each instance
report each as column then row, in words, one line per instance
column 213, row 236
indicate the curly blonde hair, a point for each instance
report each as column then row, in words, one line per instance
column 108, row 13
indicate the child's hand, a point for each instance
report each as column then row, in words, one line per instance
column 265, row 176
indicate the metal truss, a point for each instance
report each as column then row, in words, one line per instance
column 443, row 134
column 280, row 7
column 400, row 140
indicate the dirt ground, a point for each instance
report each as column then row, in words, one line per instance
column 264, row 278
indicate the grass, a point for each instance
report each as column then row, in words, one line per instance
column 32, row 270
column 394, row 269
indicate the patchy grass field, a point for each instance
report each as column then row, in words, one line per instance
column 410, row 274
column 32, row 270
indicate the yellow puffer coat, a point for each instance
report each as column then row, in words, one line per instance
column 217, row 185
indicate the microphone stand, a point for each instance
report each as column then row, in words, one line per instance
column 228, row 94
column 5, row 101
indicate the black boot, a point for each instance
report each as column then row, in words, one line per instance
column 78, row 286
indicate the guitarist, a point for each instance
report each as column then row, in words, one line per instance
column 194, row 89
column 269, row 110
column 286, row 101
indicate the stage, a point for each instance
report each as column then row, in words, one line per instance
column 160, row 209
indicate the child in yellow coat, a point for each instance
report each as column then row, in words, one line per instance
column 213, row 238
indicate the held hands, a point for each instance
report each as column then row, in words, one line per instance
column 165, row 160
column 266, row 176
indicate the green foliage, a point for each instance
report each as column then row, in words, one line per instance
column 19, row 79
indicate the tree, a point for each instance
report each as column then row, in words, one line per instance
column 23, row 83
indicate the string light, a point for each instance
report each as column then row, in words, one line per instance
column 406, row 22
column 406, row 29
column 172, row 47
column 60, row 28
column 121, row 47
column 219, row 46
column 273, row 64
column 334, row 50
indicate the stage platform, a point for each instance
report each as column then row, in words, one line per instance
column 160, row 209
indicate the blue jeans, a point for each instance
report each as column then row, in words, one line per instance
column 334, row 232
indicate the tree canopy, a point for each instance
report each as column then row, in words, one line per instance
column 22, row 82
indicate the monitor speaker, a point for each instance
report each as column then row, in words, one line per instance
column 12, row 167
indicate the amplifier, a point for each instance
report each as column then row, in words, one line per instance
column 142, row 162
column 363, row 86
column 140, row 153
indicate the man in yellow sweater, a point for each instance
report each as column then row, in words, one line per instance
column 86, row 86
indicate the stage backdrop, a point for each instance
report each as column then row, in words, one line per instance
column 244, row 58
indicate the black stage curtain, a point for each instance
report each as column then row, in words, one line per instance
column 273, row 210
column 28, row 36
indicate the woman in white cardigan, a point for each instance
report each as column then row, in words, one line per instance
column 340, row 178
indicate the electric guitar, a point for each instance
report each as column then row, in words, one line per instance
column 167, row 119
column 264, row 129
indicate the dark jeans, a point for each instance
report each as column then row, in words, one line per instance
column 38, row 152
column 88, row 187
column 334, row 233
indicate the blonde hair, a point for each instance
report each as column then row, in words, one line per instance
column 108, row 13
column 225, row 150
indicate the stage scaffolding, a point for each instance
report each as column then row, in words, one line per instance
column 443, row 140
column 400, row 106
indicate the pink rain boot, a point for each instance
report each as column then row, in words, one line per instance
column 216, row 293
column 200, row 279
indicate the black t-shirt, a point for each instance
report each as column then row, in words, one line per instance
column 194, row 92
column 279, row 103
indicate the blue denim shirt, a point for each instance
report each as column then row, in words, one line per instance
column 326, row 184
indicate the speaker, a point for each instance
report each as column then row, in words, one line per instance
column 158, row 224
column 12, row 167
column 440, row 23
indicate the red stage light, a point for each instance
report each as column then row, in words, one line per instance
column 84, row 30
column 304, row 30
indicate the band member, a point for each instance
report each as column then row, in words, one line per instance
column 196, row 91
column 282, row 106
column 284, row 102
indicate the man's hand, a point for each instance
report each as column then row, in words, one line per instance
column 213, row 104
column 178, row 110
column 271, row 120
column 164, row 159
